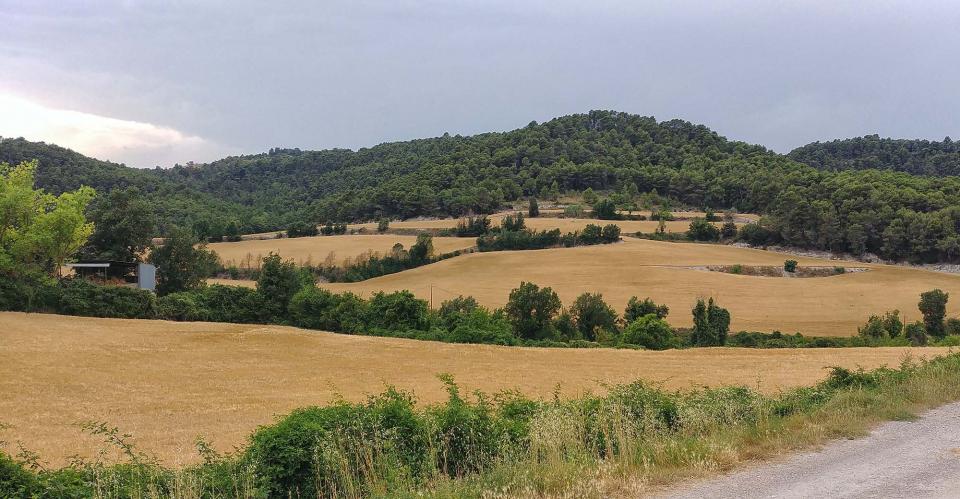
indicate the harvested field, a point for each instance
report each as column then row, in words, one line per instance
column 317, row 249
column 167, row 383
column 543, row 223
column 833, row 306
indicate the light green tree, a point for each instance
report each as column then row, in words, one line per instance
column 36, row 227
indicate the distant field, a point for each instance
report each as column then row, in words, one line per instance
column 317, row 249
column 830, row 306
column 167, row 383
column 547, row 223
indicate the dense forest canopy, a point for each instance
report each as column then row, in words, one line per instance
column 919, row 157
column 891, row 213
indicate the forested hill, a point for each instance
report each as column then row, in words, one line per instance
column 919, row 157
column 892, row 213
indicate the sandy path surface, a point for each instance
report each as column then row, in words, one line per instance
column 916, row 459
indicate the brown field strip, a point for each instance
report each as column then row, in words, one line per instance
column 167, row 383
column 543, row 223
column 827, row 306
column 316, row 249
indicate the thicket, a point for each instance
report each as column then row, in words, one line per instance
column 514, row 235
column 471, row 446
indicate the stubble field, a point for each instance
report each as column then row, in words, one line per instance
column 167, row 383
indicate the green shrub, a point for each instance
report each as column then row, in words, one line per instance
column 400, row 310
column 650, row 332
column 702, row 230
column 181, row 306
column 315, row 308
column 790, row 266
column 17, row 481
column 81, row 297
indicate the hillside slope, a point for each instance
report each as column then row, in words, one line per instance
column 898, row 215
column 918, row 157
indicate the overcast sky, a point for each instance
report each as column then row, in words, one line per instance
column 155, row 83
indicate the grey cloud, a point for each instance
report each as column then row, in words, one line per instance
column 352, row 74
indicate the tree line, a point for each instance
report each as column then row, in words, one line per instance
column 894, row 214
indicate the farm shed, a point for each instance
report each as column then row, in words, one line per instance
column 140, row 275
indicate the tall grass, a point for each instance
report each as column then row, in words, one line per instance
column 629, row 441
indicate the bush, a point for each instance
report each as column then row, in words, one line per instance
column 573, row 211
column 81, row 297
column 728, row 230
column 473, row 226
column 933, row 306
column 605, row 209
column 316, row 450
column 790, row 266
column 650, row 332
column 610, row 234
column 533, row 210
column 637, row 309
column 592, row 234
column 592, row 315
column 315, row 308
column 916, row 333
column 181, row 306
column 755, row 234
column 530, row 310
column 702, row 230
column 398, row 311
column 512, row 223
column 952, row 326
column 279, row 281
column 383, row 225
column 302, row 229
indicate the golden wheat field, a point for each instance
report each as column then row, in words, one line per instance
column 167, row 383
column 667, row 272
column 318, row 249
column 544, row 223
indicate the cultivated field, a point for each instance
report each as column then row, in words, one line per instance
column 543, row 223
column 830, row 306
column 318, row 249
column 167, row 383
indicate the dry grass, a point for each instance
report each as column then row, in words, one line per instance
column 829, row 306
column 167, row 382
column 545, row 223
column 317, row 249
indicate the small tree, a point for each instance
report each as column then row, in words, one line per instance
column 953, row 326
column 589, row 196
column 711, row 324
column 593, row 315
column 916, row 332
column 790, row 266
column 279, row 280
column 702, row 230
column 933, row 306
column 513, row 223
column 124, row 226
column 533, row 211
column 383, row 225
column 637, row 309
column 530, row 310
column 605, row 209
column 591, row 234
column 892, row 323
column 422, row 251
column 650, row 332
column 729, row 230
column 610, row 233
column 182, row 262
column 873, row 329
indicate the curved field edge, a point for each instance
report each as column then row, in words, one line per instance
column 661, row 270
column 629, row 442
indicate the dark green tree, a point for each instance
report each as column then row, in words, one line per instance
column 605, row 209
column 530, row 310
column 650, row 332
column 637, row 309
column 711, row 324
column 702, row 230
column 279, row 280
column 533, row 210
column 182, row 262
column 593, row 316
column 933, row 306
column 124, row 227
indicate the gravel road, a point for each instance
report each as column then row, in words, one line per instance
column 915, row 459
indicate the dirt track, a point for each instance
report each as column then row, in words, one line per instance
column 918, row 459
